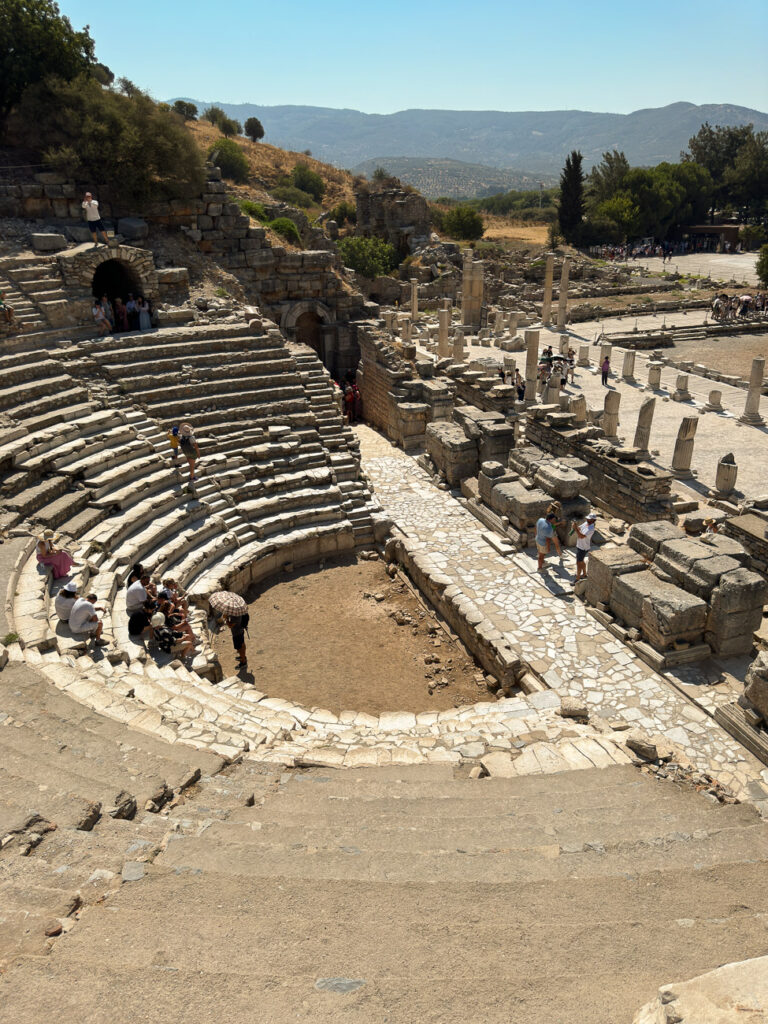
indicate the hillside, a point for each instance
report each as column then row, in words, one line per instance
column 270, row 163
column 531, row 141
column 435, row 176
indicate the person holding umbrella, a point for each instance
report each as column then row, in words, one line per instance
column 235, row 612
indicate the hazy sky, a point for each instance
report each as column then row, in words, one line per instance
column 604, row 55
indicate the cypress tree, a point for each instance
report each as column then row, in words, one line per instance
column 571, row 212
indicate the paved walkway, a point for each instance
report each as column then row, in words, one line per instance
column 555, row 635
column 718, row 266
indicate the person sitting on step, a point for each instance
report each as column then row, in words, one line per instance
column 84, row 622
column 65, row 599
column 57, row 559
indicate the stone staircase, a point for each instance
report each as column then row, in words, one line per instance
column 399, row 894
column 38, row 283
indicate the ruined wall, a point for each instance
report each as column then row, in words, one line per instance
column 394, row 214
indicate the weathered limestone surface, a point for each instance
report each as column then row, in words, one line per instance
column 734, row 994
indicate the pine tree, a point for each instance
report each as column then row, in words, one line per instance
column 571, row 212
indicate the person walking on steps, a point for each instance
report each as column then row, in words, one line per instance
column 189, row 449
column 92, row 215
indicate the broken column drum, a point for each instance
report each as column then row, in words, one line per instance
column 654, row 376
column 751, row 412
column 610, row 420
column 725, row 477
column 683, row 454
column 444, row 323
column 643, row 428
column 628, row 369
column 583, row 359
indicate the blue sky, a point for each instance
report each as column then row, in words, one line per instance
column 613, row 56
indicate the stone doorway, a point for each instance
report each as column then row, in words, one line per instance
column 116, row 279
column 308, row 331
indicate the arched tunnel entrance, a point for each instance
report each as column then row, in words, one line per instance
column 308, row 332
column 117, row 280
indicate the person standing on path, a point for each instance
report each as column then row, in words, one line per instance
column 583, row 544
column 189, row 449
column 545, row 537
column 238, row 624
column 93, row 216
column 605, row 370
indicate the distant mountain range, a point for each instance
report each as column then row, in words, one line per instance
column 534, row 142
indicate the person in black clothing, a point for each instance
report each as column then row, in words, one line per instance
column 139, row 622
column 238, row 624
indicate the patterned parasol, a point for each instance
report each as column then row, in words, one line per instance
column 227, row 603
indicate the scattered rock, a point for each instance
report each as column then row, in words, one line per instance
column 640, row 744
column 53, row 928
column 133, row 871
column 124, row 806
column 90, row 818
column 573, row 707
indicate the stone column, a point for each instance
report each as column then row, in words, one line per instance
column 471, row 290
column 628, row 369
column 751, row 412
column 682, row 394
column 643, row 428
column 578, row 406
column 606, row 349
column 405, row 329
column 654, row 376
column 583, row 359
column 683, row 454
column 564, row 345
column 458, row 347
column 512, row 322
column 531, row 364
column 725, row 478
column 610, row 420
column 388, row 316
column 562, row 303
column 714, row 402
column 546, row 306
column 414, row 298
column 444, row 323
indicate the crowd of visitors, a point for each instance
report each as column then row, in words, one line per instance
column 158, row 612
column 135, row 314
column 738, row 307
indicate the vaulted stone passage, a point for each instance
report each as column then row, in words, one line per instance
column 308, row 332
column 115, row 279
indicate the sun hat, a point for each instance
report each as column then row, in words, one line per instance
column 185, row 429
column 592, row 516
column 70, row 588
column 49, row 534
column 157, row 620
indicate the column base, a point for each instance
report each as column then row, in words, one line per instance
column 754, row 420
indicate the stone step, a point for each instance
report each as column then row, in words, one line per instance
column 30, row 369
column 91, row 450
column 232, row 358
column 212, row 369
column 266, row 401
column 139, row 545
column 71, row 407
column 135, row 460
column 222, row 386
column 35, row 401
column 29, row 496
column 139, row 490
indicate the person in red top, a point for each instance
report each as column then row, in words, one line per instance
column 349, row 404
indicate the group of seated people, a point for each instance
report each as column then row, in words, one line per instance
column 135, row 314
column 158, row 612
column 80, row 614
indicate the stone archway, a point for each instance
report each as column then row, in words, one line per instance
column 307, row 322
column 115, row 279
column 81, row 267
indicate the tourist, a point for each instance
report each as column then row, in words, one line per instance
column 5, row 310
column 137, row 594
column 84, row 622
column 173, row 441
column 145, row 315
column 238, row 625
column 169, row 640
column 605, row 370
column 711, row 527
column 65, row 599
column 132, row 309
column 358, row 403
column 139, row 622
column 109, row 312
column 101, row 319
column 583, row 544
column 121, row 315
column 545, row 537
column 95, row 223
column 175, row 618
column 349, row 404
column 57, row 559
column 178, row 595
column 189, row 448
column 137, row 571
column 572, row 364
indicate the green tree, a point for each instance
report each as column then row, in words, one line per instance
column 231, row 160
column 464, row 222
column 254, row 129
column 370, row 257
column 37, row 41
column 716, row 149
column 186, row 110
column 747, row 177
column 381, row 174
column 607, row 177
column 228, row 126
column 304, row 178
column 571, row 211
column 762, row 266
column 214, row 115
column 95, row 134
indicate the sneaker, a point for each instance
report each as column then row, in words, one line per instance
column 100, row 642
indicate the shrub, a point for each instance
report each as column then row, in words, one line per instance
column 343, row 212
column 752, row 236
column 255, row 210
column 436, row 218
column 304, row 178
column 186, row 110
column 464, row 222
column 287, row 229
column 94, row 134
column 254, row 129
column 371, row 257
column 227, row 155
column 762, row 266
column 292, row 196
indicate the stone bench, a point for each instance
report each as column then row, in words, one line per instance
column 86, row 453
column 665, row 614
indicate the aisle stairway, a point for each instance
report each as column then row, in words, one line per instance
column 406, row 895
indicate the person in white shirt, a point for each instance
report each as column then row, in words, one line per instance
column 92, row 215
column 583, row 544
column 65, row 599
column 84, row 622
column 136, row 595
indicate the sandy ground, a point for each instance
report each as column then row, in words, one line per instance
column 321, row 638
column 502, row 229
column 731, row 355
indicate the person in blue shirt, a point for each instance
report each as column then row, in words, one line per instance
column 545, row 537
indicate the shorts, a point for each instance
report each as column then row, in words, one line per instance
column 581, row 555
column 542, row 548
column 96, row 225
column 238, row 638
